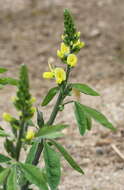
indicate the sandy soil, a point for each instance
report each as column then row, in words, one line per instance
column 30, row 33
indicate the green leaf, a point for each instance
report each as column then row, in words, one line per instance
column 12, row 180
column 2, row 70
column 40, row 120
column 1, row 86
column 32, row 152
column 48, row 130
column 80, row 118
column 1, row 169
column 89, row 123
column 34, row 175
column 10, row 148
column 52, row 165
column 99, row 117
column 67, row 157
column 3, row 134
column 85, row 89
column 53, row 135
column 3, row 175
column 4, row 158
column 50, row 95
column 8, row 80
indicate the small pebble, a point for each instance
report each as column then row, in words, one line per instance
column 100, row 151
column 94, row 33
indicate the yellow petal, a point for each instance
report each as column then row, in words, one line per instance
column 60, row 54
column 30, row 134
column 64, row 48
column 60, row 75
column 7, row 117
column 48, row 75
column 72, row 60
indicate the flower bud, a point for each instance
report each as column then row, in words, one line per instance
column 32, row 110
column 32, row 100
column 30, row 134
column 7, row 117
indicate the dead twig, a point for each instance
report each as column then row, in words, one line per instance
column 117, row 151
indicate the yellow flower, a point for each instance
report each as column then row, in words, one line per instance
column 33, row 110
column 7, row 117
column 78, row 34
column 62, row 37
column 32, row 100
column 60, row 75
column 64, row 50
column 79, row 44
column 13, row 99
column 30, row 134
column 60, row 54
column 48, row 75
column 72, row 60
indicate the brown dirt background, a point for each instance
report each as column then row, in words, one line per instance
column 30, row 33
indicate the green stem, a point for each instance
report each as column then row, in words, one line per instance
column 69, row 102
column 19, row 141
column 55, row 110
column 50, row 122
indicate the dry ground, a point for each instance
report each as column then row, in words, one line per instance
column 30, row 33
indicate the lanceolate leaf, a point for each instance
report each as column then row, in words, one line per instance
column 1, row 169
column 52, row 165
column 12, row 180
column 34, row 175
column 10, row 148
column 99, row 117
column 3, row 175
column 67, row 157
column 48, row 130
column 8, row 80
column 53, row 135
column 2, row 70
column 80, row 118
column 89, row 122
column 85, row 89
column 50, row 95
column 32, row 152
column 4, row 158
column 40, row 120
column 1, row 86
column 3, row 134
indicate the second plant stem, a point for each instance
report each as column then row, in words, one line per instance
column 50, row 122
